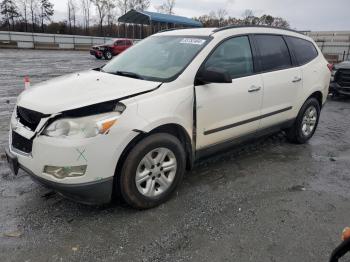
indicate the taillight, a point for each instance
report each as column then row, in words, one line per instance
column 330, row 67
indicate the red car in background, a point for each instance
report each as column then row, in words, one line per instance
column 111, row 48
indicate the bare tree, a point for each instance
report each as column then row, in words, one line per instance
column 248, row 16
column 46, row 11
column 33, row 8
column 24, row 6
column 111, row 14
column 72, row 9
column 221, row 14
column 280, row 22
column 215, row 18
column 167, row 7
column 86, row 8
column 123, row 6
column 138, row 4
column 101, row 7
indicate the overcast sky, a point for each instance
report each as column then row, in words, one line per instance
column 301, row 14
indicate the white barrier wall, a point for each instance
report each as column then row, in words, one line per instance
column 333, row 43
column 31, row 40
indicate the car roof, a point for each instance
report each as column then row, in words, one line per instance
column 233, row 30
column 115, row 39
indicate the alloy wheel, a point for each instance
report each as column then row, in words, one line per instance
column 309, row 121
column 156, row 172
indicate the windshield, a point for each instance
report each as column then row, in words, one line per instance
column 157, row 58
column 109, row 42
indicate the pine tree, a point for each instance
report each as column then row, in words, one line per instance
column 9, row 10
column 46, row 11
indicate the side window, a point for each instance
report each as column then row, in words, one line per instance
column 274, row 53
column 119, row 43
column 304, row 50
column 234, row 55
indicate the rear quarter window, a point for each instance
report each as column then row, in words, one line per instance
column 304, row 50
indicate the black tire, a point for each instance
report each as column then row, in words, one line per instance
column 127, row 183
column 108, row 55
column 295, row 134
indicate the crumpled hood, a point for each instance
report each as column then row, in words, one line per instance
column 99, row 46
column 80, row 89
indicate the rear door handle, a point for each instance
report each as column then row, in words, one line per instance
column 296, row 79
column 254, row 88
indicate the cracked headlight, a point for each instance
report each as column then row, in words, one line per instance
column 85, row 122
column 83, row 127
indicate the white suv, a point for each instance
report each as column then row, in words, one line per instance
column 132, row 127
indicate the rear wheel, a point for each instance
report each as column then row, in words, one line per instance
column 306, row 123
column 152, row 171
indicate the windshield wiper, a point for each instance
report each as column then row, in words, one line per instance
column 129, row 74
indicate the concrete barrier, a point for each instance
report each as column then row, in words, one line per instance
column 10, row 39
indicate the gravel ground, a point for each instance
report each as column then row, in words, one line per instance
column 266, row 201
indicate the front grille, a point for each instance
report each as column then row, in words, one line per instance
column 342, row 77
column 29, row 118
column 21, row 143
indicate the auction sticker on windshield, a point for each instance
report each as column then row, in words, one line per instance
column 193, row 41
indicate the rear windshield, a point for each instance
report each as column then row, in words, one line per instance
column 158, row 58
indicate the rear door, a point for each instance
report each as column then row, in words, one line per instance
column 127, row 44
column 230, row 110
column 281, row 77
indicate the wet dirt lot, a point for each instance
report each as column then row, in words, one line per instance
column 265, row 201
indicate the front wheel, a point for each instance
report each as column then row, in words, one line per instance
column 108, row 55
column 152, row 171
column 306, row 122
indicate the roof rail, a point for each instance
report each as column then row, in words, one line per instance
column 172, row 29
column 166, row 30
column 259, row 26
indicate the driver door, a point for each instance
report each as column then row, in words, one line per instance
column 118, row 46
column 229, row 110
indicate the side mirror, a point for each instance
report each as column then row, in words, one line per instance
column 213, row 75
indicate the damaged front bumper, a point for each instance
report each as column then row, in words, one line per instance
column 92, row 193
column 96, row 53
column 335, row 88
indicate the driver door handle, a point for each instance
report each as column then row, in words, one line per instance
column 296, row 79
column 254, row 88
